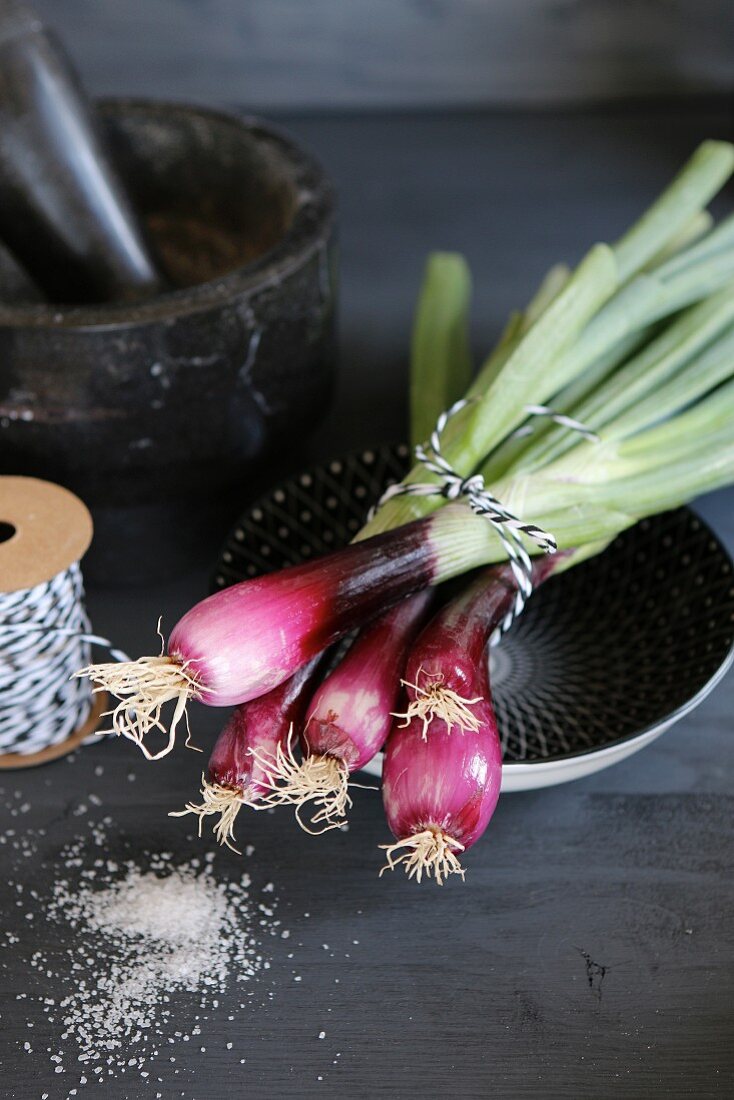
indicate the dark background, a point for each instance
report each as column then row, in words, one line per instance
column 361, row 54
column 590, row 952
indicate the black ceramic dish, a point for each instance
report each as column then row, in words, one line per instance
column 156, row 413
column 603, row 660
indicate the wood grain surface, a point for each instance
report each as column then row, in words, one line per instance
column 590, row 952
column 334, row 54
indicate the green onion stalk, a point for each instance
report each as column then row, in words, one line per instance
column 590, row 324
column 440, row 789
column 637, row 342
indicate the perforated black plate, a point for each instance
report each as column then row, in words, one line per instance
column 610, row 651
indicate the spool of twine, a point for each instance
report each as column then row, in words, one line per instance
column 44, row 630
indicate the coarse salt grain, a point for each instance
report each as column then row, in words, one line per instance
column 137, row 934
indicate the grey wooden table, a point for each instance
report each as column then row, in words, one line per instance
column 590, row 952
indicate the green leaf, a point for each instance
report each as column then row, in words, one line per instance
column 440, row 359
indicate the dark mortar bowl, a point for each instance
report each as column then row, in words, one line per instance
column 158, row 413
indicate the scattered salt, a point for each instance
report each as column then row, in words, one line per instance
column 132, row 934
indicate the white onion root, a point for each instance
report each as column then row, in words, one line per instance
column 431, row 852
column 438, row 701
column 320, row 780
column 144, row 687
column 218, row 799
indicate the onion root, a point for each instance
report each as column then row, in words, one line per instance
column 430, row 852
column 438, row 701
column 144, row 687
column 218, row 799
column 320, row 780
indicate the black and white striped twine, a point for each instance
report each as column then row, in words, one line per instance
column 509, row 527
column 45, row 637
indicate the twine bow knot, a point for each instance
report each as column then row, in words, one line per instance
column 509, row 527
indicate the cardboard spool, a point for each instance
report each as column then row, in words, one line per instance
column 43, row 530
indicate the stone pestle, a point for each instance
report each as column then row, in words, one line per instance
column 64, row 213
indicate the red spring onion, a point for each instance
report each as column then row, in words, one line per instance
column 441, row 669
column 252, row 741
column 349, row 717
column 245, row 640
column 440, row 793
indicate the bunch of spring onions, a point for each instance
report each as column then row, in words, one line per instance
column 609, row 398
